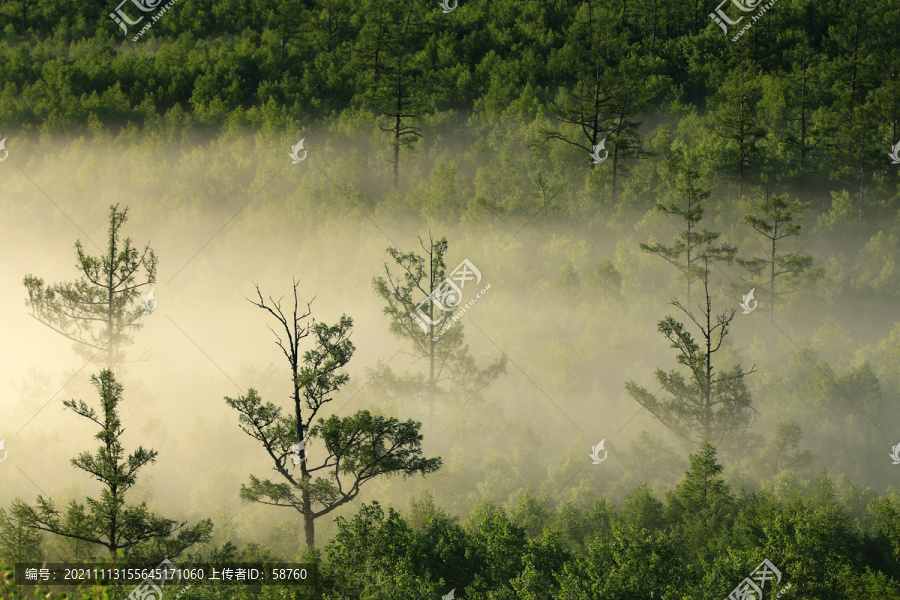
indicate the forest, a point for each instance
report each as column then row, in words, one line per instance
column 452, row 299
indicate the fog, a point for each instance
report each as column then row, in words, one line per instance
column 227, row 214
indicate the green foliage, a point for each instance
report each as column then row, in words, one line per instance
column 18, row 542
column 422, row 309
column 358, row 448
column 108, row 521
column 106, row 294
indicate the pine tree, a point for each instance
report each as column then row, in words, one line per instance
column 693, row 250
column 393, row 70
column 98, row 311
column 707, row 405
column 422, row 306
column 783, row 272
column 359, row 448
column 702, row 504
column 108, row 521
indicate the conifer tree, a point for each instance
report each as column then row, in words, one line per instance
column 109, row 522
column 98, row 311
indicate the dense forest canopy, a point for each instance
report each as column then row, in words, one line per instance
column 592, row 300
column 806, row 100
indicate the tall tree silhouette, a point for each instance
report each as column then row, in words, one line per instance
column 108, row 521
column 98, row 311
column 357, row 449
column 420, row 315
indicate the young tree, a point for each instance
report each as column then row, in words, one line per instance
column 734, row 112
column 692, row 250
column 108, row 521
column 707, row 405
column 97, row 312
column 782, row 451
column 394, row 70
column 774, row 220
column 421, row 321
column 363, row 446
column 702, row 505
column 18, row 541
column 613, row 83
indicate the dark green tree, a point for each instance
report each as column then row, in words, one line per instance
column 393, row 70
column 702, row 505
column 108, row 521
column 694, row 249
column 629, row 564
column 735, row 115
column 614, row 82
column 706, row 405
column 783, row 272
column 98, row 311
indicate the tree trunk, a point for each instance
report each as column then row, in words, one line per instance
column 309, row 523
column 689, row 245
column 432, row 384
column 803, row 112
column 615, row 173
column 110, row 345
column 772, row 284
column 396, row 154
column 707, row 425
